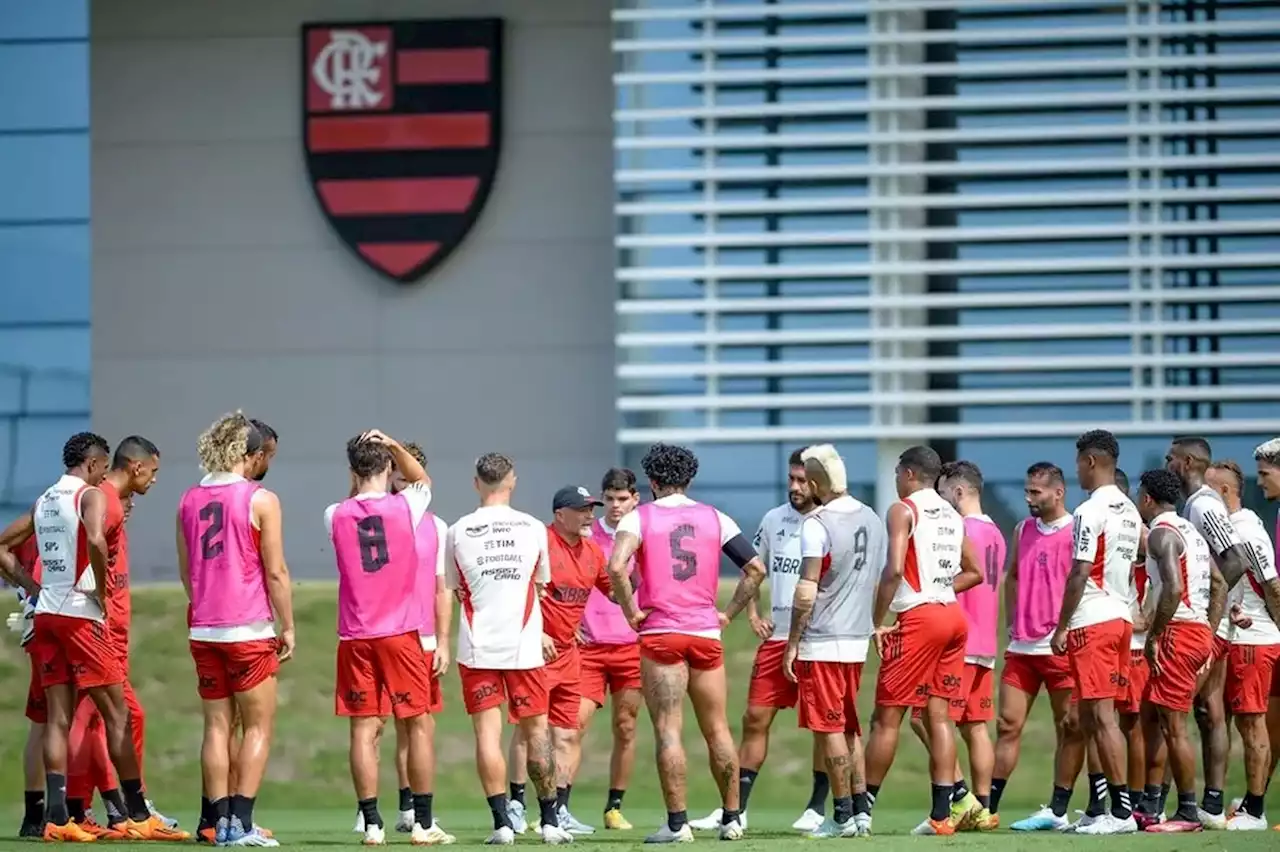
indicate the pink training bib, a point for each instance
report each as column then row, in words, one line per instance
column 603, row 622
column 1044, row 562
column 228, row 586
column 378, row 568
column 679, row 565
column 981, row 604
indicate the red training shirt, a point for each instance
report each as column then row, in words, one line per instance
column 575, row 571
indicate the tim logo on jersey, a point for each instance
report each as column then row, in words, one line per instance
column 401, row 127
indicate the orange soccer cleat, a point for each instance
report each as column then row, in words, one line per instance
column 152, row 828
column 69, row 833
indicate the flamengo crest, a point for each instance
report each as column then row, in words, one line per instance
column 401, row 125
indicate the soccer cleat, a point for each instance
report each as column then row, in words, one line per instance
column 1212, row 822
column 963, row 812
column 1084, row 821
column 732, row 830
column 502, row 836
column 256, row 836
column 102, row 832
column 666, row 835
column 572, row 824
column 433, row 836
column 1174, row 826
column 615, row 821
column 1107, row 824
column 710, row 822
column 1042, row 820
column 1236, row 805
column 69, row 833
column 406, row 821
column 863, row 821
column 515, row 813
column 31, row 830
column 938, row 827
column 359, row 827
column 554, row 835
column 167, row 821
column 1245, row 821
column 151, row 828
column 209, row 835
column 375, row 835
column 810, row 820
column 984, row 820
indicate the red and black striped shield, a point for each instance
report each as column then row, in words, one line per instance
column 401, row 128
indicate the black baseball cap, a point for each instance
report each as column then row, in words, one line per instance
column 574, row 497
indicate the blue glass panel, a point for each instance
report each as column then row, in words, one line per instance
column 44, row 86
column 21, row 19
column 45, row 269
column 44, row 177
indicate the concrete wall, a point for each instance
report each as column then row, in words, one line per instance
column 217, row 283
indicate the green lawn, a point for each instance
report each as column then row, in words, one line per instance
column 307, row 799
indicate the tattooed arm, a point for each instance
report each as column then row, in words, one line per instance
column 1166, row 548
column 1217, row 596
column 624, row 547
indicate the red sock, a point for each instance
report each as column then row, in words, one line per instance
column 79, row 747
column 137, row 723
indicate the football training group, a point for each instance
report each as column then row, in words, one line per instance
column 1137, row 611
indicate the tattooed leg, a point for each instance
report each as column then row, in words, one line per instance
column 664, row 688
column 708, row 692
column 835, row 754
column 541, row 757
column 857, row 764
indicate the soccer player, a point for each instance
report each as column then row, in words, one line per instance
column 1255, row 647
column 677, row 543
column 1179, row 641
column 499, row 565
column 230, row 547
column 922, row 654
column 778, row 543
column 960, row 484
column 1188, row 458
column 376, row 539
column 610, row 653
column 22, row 569
column 830, row 628
column 1267, row 458
column 1095, row 624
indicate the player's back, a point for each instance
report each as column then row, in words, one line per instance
column 933, row 552
column 1247, row 594
column 375, row 546
column 67, row 579
column 679, row 566
column 843, row 609
column 981, row 604
column 1206, row 512
column 499, row 557
column 228, row 587
column 1107, row 530
column 1193, row 567
column 1044, row 563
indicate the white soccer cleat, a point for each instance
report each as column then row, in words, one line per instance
column 666, row 835
column 710, row 822
column 572, row 824
column 1245, row 821
column 1084, row 822
column 863, row 822
column 433, row 836
column 501, row 837
column 405, row 822
column 375, row 835
column 810, row 820
column 359, row 829
column 515, row 813
column 1107, row 824
column 849, row 828
column 1042, row 820
column 554, row 835
column 1236, row 805
column 732, row 830
column 1211, row 822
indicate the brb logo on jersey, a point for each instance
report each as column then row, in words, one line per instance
column 401, row 130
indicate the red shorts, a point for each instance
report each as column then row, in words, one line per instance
column 671, row 649
column 76, row 651
column 769, row 684
column 828, row 695
column 924, row 657
column 975, row 703
column 372, row 670
column 225, row 668
column 37, row 707
column 1028, row 672
column 1221, row 648
column 1251, row 678
column 1137, row 685
column 564, row 690
column 1099, row 658
column 1184, row 649
column 435, row 695
column 608, row 668
column 484, row 689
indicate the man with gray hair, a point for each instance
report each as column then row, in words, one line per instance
column 831, row 627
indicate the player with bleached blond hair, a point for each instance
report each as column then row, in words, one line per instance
column 842, row 551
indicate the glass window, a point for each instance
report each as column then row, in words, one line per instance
column 45, row 177
column 44, row 19
column 44, row 86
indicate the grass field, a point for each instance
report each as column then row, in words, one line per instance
column 307, row 799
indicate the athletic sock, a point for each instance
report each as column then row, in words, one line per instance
column 568, row 794
column 369, row 810
column 135, row 802
column 1186, row 807
column 221, row 809
column 33, row 803
column 1164, row 798
column 1253, row 805
column 517, row 793
column 562, row 797
column 873, row 791
column 75, row 809
column 1150, row 800
column 1212, row 803
column 406, row 799
column 746, row 780
column 997, row 790
column 861, row 804
column 1121, row 806
column 1060, row 800
column 677, row 820
column 727, row 816
column 421, row 803
column 549, row 810
column 818, row 795
column 614, row 800
column 941, row 802
column 985, row 801
column 843, row 810
column 56, row 797
column 959, row 790
column 498, row 807
column 207, row 816
column 1097, row 795
column 117, row 810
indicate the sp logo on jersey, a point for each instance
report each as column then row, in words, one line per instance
column 401, row 125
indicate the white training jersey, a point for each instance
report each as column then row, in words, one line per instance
column 1247, row 593
column 778, row 543
column 1193, row 566
column 1141, row 588
column 851, row 541
column 1107, row 529
column 933, row 552
column 496, row 560
column 67, row 581
column 1208, row 514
